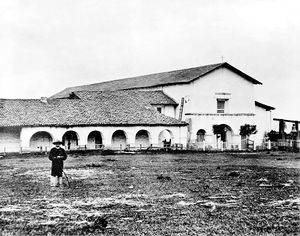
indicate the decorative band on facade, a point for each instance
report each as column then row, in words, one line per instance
column 218, row 114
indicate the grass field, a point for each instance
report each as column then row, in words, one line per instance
column 165, row 194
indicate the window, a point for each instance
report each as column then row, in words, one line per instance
column 221, row 105
column 159, row 109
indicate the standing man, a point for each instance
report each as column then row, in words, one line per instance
column 57, row 155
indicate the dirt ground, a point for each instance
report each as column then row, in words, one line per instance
column 165, row 194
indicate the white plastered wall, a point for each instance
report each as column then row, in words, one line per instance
column 179, row 133
column 263, row 122
column 169, row 110
column 206, row 122
column 201, row 98
column 201, row 94
column 9, row 139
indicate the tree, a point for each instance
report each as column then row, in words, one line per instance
column 246, row 130
column 274, row 136
column 218, row 129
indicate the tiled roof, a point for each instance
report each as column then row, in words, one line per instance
column 268, row 108
column 155, row 80
column 106, row 109
column 157, row 97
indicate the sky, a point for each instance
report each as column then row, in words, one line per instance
column 48, row 45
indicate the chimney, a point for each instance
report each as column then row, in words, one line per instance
column 44, row 99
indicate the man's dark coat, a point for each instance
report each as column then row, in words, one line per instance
column 57, row 163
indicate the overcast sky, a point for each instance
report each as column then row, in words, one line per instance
column 48, row 45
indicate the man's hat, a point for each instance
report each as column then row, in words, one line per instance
column 57, row 141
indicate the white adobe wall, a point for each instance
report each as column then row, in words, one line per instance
column 263, row 122
column 169, row 111
column 206, row 122
column 201, row 98
column 179, row 133
column 201, row 93
column 9, row 139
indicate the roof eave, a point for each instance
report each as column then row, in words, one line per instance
column 165, row 104
column 266, row 107
column 249, row 78
column 88, row 125
column 230, row 67
column 225, row 64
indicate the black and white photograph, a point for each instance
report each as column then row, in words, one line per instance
column 138, row 117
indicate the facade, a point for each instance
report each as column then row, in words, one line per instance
column 217, row 94
column 222, row 97
column 183, row 106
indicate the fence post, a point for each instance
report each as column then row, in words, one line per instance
column 221, row 143
column 269, row 144
column 254, row 146
column 120, row 147
column 140, row 146
column 203, row 146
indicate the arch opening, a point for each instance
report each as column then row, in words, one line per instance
column 200, row 136
column 223, row 132
column 142, row 139
column 165, row 138
column 41, row 140
column 70, row 140
column 95, row 140
column 119, row 140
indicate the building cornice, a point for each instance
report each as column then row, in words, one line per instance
column 219, row 114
